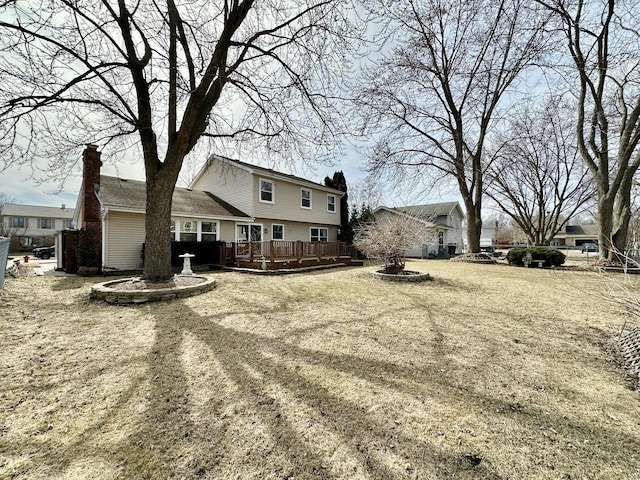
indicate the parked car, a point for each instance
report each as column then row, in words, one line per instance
column 589, row 247
column 44, row 252
column 490, row 250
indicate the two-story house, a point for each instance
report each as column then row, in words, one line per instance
column 281, row 206
column 29, row 226
column 228, row 201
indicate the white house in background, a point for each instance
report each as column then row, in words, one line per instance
column 576, row 235
column 33, row 225
column 446, row 218
column 487, row 235
column 281, row 206
column 250, row 204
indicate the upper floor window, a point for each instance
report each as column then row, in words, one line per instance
column 209, row 231
column 18, row 222
column 266, row 191
column 331, row 203
column 305, row 198
column 45, row 223
column 319, row 234
column 68, row 224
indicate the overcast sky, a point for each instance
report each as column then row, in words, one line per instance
column 17, row 184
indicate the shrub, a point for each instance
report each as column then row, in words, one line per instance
column 551, row 256
column 389, row 236
column 205, row 252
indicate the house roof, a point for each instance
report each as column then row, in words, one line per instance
column 19, row 210
column 587, row 230
column 268, row 172
column 430, row 210
column 131, row 195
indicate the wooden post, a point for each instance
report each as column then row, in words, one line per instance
column 271, row 250
column 299, row 250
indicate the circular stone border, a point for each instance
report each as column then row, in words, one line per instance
column 108, row 291
column 407, row 276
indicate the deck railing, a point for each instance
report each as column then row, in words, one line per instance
column 282, row 251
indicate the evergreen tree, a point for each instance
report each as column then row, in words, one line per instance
column 339, row 182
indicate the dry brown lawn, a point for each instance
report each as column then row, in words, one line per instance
column 486, row 372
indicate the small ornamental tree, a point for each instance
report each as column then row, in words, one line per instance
column 389, row 237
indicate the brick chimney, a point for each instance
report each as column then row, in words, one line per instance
column 91, row 185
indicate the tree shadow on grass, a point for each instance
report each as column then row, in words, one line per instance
column 268, row 390
column 219, row 402
column 265, row 416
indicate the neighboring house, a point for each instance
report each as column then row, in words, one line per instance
column 576, row 235
column 487, row 235
column 30, row 226
column 281, row 206
column 445, row 218
column 250, row 204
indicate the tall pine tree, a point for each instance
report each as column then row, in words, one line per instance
column 340, row 183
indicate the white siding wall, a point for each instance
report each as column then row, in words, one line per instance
column 286, row 204
column 233, row 185
column 125, row 236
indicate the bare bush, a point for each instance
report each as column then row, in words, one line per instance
column 389, row 237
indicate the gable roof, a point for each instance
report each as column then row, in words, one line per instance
column 117, row 193
column 267, row 172
column 19, row 210
column 431, row 210
column 589, row 230
column 586, row 229
column 428, row 213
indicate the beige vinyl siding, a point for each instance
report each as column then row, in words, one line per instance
column 286, row 204
column 296, row 230
column 232, row 184
column 227, row 231
column 125, row 236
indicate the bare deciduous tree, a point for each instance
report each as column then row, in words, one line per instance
column 5, row 230
column 432, row 101
column 389, row 237
column 536, row 176
column 603, row 41
column 159, row 76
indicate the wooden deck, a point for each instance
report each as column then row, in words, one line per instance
column 278, row 254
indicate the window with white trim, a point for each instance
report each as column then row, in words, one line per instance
column 319, row 234
column 266, row 191
column 208, row 231
column 331, row 203
column 277, row 231
column 188, row 232
column 172, row 229
column 305, row 198
column 45, row 223
column 18, row 222
column 68, row 224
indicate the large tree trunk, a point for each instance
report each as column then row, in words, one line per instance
column 621, row 217
column 605, row 224
column 474, row 225
column 157, row 258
